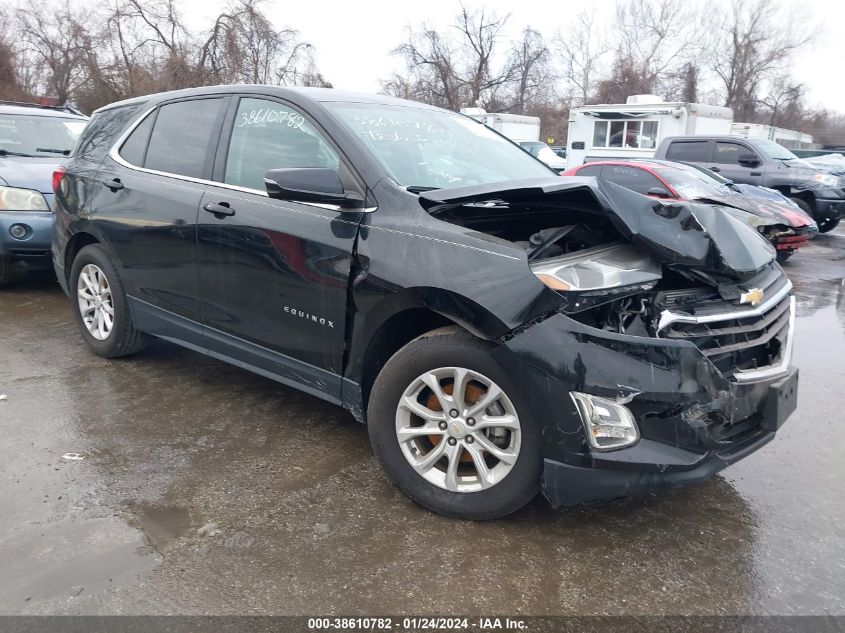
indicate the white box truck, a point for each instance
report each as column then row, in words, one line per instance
column 634, row 129
column 517, row 127
column 791, row 139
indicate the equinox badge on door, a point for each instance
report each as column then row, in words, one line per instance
column 309, row 317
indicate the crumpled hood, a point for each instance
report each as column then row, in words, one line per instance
column 771, row 211
column 28, row 173
column 685, row 234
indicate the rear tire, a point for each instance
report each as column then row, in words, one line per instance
column 783, row 256
column 100, row 306
column 482, row 486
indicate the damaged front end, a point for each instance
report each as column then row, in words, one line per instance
column 668, row 357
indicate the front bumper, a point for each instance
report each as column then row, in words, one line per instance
column 693, row 421
column 34, row 247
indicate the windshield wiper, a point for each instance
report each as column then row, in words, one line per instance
column 421, row 188
column 53, row 151
column 6, row 152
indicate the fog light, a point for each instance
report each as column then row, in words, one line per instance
column 609, row 425
column 18, row 231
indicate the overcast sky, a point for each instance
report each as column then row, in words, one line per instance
column 354, row 39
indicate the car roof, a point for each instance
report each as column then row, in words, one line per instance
column 39, row 110
column 644, row 163
column 322, row 95
column 705, row 137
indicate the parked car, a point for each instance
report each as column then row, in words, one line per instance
column 33, row 140
column 543, row 152
column 785, row 225
column 501, row 330
column 765, row 163
column 560, row 150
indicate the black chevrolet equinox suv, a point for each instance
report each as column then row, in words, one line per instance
column 501, row 330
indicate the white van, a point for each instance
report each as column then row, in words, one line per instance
column 634, row 129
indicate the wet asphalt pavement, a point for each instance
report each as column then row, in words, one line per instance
column 207, row 489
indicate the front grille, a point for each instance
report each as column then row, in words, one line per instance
column 731, row 338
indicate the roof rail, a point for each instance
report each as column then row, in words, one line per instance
column 26, row 104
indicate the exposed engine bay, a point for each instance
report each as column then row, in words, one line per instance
column 637, row 266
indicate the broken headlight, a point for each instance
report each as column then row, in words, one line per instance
column 595, row 275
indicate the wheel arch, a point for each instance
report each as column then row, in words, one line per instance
column 406, row 316
column 76, row 243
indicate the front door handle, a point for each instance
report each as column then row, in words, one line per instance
column 716, row 169
column 756, row 173
column 220, row 210
column 113, row 184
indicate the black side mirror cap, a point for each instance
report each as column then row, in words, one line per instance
column 748, row 160
column 658, row 192
column 311, row 184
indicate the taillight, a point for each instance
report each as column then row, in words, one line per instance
column 57, row 179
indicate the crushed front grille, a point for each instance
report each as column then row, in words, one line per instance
column 735, row 344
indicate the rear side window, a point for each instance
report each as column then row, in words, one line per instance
column 134, row 148
column 590, row 170
column 687, row 151
column 184, row 136
column 729, row 153
column 632, row 178
column 102, row 131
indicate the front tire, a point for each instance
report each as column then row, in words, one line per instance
column 100, row 306
column 451, row 430
column 825, row 224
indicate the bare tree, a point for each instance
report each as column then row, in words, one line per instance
column 452, row 71
column 529, row 72
column 782, row 101
column 243, row 46
column 56, row 41
column 749, row 45
column 580, row 52
column 655, row 40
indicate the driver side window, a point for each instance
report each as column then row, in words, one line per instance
column 272, row 135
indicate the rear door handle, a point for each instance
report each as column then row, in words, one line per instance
column 114, row 184
column 756, row 173
column 220, row 210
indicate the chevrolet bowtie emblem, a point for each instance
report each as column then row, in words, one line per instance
column 754, row 296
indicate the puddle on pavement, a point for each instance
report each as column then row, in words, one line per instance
column 161, row 524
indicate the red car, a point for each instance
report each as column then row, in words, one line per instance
column 781, row 222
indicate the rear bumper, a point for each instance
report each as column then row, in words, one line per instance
column 34, row 247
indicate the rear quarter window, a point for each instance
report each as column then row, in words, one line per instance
column 102, row 131
column 688, row 151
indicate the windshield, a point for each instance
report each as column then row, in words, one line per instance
column 773, row 150
column 39, row 135
column 433, row 149
column 692, row 184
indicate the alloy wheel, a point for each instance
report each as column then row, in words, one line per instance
column 458, row 429
column 96, row 304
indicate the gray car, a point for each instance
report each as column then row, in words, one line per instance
column 766, row 164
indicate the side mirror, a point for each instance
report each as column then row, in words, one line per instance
column 658, row 192
column 748, row 160
column 310, row 184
